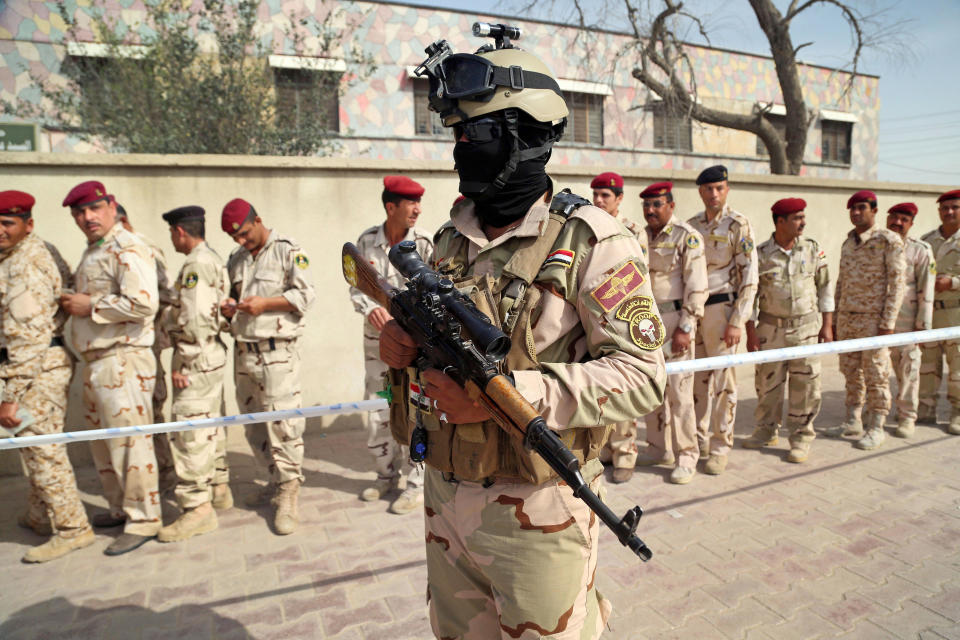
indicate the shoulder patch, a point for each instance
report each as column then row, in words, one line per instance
column 615, row 289
column 746, row 245
column 693, row 241
column 933, row 266
column 600, row 222
column 646, row 327
column 562, row 257
column 191, row 279
column 301, row 261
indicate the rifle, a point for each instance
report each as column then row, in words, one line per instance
column 458, row 339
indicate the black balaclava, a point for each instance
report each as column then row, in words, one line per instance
column 506, row 175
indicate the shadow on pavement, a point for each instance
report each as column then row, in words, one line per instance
column 58, row 618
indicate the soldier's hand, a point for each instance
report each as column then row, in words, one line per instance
column 76, row 304
column 451, row 401
column 943, row 283
column 379, row 317
column 753, row 340
column 680, row 341
column 731, row 336
column 179, row 380
column 826, row 333
column 228, row 307
column 254, row 305
column 397, row 348
column 8, row 415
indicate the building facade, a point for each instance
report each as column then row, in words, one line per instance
column 614, row 121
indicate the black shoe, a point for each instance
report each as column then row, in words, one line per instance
column 105, row 520
column 126, row 542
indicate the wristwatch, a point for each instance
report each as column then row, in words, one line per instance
column 686, row 327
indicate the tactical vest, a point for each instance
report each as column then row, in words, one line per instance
column 483, row 452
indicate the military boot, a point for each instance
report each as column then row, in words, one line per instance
column 715, row 464
column 649, row 457
column 192, row 522
column 379, row 488
column 222, row 497
column 410, row 499
column 287, row 517
column 905, row 428
column 954, row 427
column 704, row 445
column 58, row 546
column 799, row 452
column 762, row 437
column 852, row 426
column 874, row 436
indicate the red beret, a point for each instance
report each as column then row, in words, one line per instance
column 608, row 180
column 16, row 203
column 950, row 195
column 85, row 193
column 657, row 189
column 460, row 198
column 862, row 196
column 403, row 186
column 235, row 214
column 788, row 205
column 907, row 208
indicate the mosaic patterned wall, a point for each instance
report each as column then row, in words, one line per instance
column 377, row 113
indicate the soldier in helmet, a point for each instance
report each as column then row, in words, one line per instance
column 510, row 551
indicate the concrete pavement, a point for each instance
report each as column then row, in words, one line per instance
column 851, row 544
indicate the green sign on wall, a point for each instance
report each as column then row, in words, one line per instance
column 18, row 137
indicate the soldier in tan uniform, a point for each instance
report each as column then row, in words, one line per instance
column 916, row 314
column 401, row 201
column 678, row 277
column 732, row 285
column 945, row 243
column 112, row 330
column 868, row 297
column 793, row 293
column 35, row 372
column 193, row 323
column 510, row 552
column 270, row 292
column 161, row 442
column 620, row 449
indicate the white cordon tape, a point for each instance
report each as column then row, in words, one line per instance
column 684, row 366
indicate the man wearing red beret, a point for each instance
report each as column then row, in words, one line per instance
column 270, row 292
column 945, row 243
column 793, row 293
column 113, row 331
column 868, row 298
column 916, row 314
column 35, row 372
column 401, row 201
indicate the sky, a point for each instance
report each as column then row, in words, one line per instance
column 919, row 87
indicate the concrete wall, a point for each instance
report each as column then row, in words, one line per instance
column 326, row 202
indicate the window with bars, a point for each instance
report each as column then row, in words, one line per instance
column 425, row 121
column 585, row 122
column 306, row 95
column 780, row 124
column 835, row 141
column 671, row 129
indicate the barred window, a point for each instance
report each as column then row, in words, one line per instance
column 585, row 122
column 425, row 121
column 307, row 95
column 671, row 129
column 780, row 124
column 835, row 141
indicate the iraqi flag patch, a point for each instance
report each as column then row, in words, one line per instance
column 562, row 257
column 419, row 398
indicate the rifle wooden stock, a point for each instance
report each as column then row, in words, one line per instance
column 360, row 274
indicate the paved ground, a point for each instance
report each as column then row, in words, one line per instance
column 851, row 544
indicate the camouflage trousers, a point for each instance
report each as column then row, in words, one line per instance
column 53, row 497
column 906, row 368
column 867, row 372
column 715, row 392
column 269, row 380
column 390, row 459
column 672, row 427
column 161, row 441
column 512, row 560
column 117, row 391
column 199, row 455
column 621, row 445
column 932, row 358
column 801, row 377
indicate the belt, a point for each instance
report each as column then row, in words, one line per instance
column 669, row 306
column 946, row 304
column 721, row 297
column 270, row 344
column 795, row 321
column 56, row 341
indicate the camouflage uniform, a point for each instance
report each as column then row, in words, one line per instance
column 510, row 552
column 267, row 361
column 794, row 290
column 678, row 277
column 869, row 292
column 35, row 371
column 389, row 457
column 916, row 314
column 731, row 273
column 119, row 274
column 193, row 323
column 946, row 313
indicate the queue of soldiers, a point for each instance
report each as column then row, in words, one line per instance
column 124, row 312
